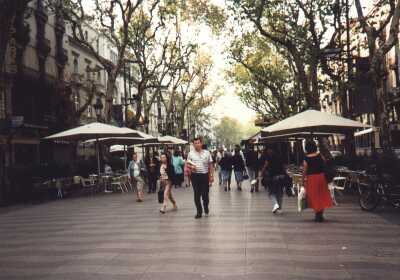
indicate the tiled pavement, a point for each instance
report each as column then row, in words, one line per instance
column 113, row 237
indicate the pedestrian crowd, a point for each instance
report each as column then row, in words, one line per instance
column 196, row 168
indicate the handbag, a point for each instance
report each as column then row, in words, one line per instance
column 245, row 175
column 288, row 184
column 160, row 194
column 329, row 172
column 302, row 200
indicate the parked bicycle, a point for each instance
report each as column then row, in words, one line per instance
column 380, row 188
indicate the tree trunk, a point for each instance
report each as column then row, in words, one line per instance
column 181, row 122
column 111, row 80
column 381, row 113
column 139, row 106
column 303, row 79
column 315, row 104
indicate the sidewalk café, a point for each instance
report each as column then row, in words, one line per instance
column 100, row 134
column 290, row 133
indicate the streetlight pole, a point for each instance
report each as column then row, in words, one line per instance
column 125, row 97
column 98, row 107
column 349, row 59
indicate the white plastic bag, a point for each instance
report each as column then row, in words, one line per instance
column 331, row 187
column 302, row 200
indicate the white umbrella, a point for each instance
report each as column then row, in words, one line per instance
column 313, row 121
column 124, row 141
column 294, row 136
column 95, row 131
column 117, row 148
column 171, row 140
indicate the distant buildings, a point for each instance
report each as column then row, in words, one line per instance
column 52, row 83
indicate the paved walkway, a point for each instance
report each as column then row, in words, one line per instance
column 113, row 237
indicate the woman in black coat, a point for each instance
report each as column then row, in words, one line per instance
column 238, row 167
column 153, row 172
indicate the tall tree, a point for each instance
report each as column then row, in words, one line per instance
column 301, row 28
column 157, row 48
column 228, row 132
column 384, row 15
column 265, row 79
column 193, row 84
column 112, row 19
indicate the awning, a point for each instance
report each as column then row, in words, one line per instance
column 365, row 131
column 295, row 136
column 315, row 122
column 93, row 131
column 171, row 140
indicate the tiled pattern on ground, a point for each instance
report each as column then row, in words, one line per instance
column 113, row 237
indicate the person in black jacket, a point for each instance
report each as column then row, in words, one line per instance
column 153, row 172
column 274, row 173
column 225, row 164
column 238, row 166
column 251, row 157
column 166, row 174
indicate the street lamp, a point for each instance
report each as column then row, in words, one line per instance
column 98, row 107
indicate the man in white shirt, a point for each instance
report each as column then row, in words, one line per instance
column 201, row 163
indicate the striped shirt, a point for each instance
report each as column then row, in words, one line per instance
column 201, row 160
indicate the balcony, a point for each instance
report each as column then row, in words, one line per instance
column 77, row 79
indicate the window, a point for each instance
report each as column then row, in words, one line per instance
column 99, row 76
column 76, row 66
column 89, row 111
column 87, row 72
column 86, row 35
column 113, row 57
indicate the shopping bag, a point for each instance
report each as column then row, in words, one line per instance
column 245, row 175
column 331, row 187
column 302, row 200
column 329, row 172
column 160, row 192
column 161, row 196
column 288, row 184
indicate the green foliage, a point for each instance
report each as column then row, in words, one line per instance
column 203, row 11
column 300, row 27
column 229, row 131
column 264, row 79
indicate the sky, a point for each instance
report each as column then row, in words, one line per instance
column 229, row 104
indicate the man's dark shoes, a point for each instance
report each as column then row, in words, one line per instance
column 198, row 216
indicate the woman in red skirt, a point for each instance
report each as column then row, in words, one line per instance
column 317, row 192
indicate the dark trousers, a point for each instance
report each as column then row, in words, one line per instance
column 152, row 182
column 201, row 187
